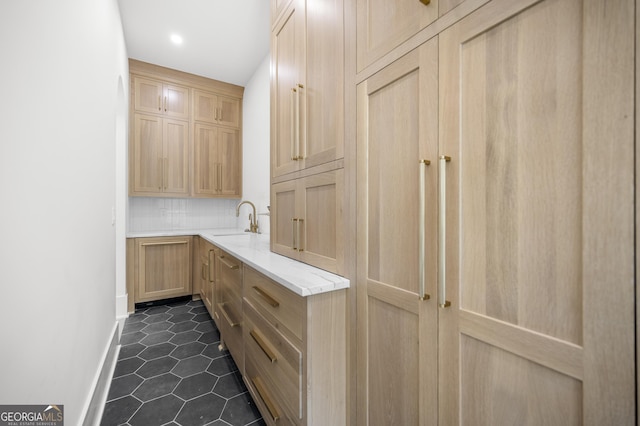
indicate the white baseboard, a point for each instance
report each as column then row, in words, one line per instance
column 94, row 406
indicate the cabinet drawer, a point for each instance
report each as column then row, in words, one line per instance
column 278, row 305
column 231, row 331
column 277, row 359
column 270, row 403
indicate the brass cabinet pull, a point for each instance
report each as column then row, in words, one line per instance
column 166, row 173
column 266, row 296
column 297, row 154
column 300, row 223
column 220, row 118
column 159, row 103
column 425, row 2
column 294, row 96
column 258, row 339
column 226, row 315
column 211, row 266
column 160, row 173
column 294, row 233
column 442, row 228
column 165, row 104
column 220, row 177
column 203, row 271
column 273, row 411
column 422, row 217
column 215, row 114
column 228, row 264
column 165, row 243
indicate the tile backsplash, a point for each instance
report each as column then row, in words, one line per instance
column 167, row 214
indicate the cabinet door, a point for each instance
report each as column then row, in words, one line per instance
column 176, row 157
column 322, row 97
column 283, row 212
column 397, row 328
column 164, row 268
column 229, row 163
column 384, row 25
column 228, row 113
column 287, row 63
column 147, row 155
column 320, row 220
column 175, row 101
column 204, row 106
column 147, row 95
column 206, row 175
column 539, row 215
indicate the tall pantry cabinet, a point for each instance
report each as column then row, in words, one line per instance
column 495, row 216
column 307, row 131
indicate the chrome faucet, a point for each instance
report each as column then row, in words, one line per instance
column 253, row 220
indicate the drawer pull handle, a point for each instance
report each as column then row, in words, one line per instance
column 225, row 314
column 273, row 411
column 258, row 339
column 228, row 264
column 266, row 296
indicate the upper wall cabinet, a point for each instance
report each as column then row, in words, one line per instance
column 185, row 134
column 156, row 97
column 383, row 25
column 307, row 85
column 212, row 108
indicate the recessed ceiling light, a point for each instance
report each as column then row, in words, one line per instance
column 176, row 39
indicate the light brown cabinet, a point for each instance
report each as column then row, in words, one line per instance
column 153, row 96
column 160, row 156
column 228, row 311
column 207, row 273
column 306, row 220
column 185, row 135
column 493, row 274
column 307, row 86
column 217, row 161
column 217, row 109
column 295, row 362
column 160, row 267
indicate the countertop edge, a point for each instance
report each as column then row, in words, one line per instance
column 254, row 250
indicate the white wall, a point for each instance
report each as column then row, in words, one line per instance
column 255, row 139
column 61, row 64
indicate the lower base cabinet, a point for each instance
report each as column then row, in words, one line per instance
column 159, row 268
column 228, row 310
column 295, row 352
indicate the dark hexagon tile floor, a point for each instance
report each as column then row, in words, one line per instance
column 170, row 372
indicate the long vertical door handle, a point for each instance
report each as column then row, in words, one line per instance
column 212, row 261
column 294, row 233
column 160, row 173
column 422, row 217
column 165, row 104
column 300, row 223
column 298, row 91
column 294, row 96
column 166, row 173
column 159, row 102
column 220, row 177
column 442, row 229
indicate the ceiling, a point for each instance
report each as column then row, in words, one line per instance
column 222, row 39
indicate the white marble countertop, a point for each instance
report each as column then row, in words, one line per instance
column 254, row 250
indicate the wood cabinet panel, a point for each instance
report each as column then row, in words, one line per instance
column 163, row 268
column 217, row 109
column 307, row 88
column 217, row 161
column 160, row 156
column 157, row 97
column 383, row 25
column 307, row 220
column 522, row 262
column 506, row 228
column 229, row 305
